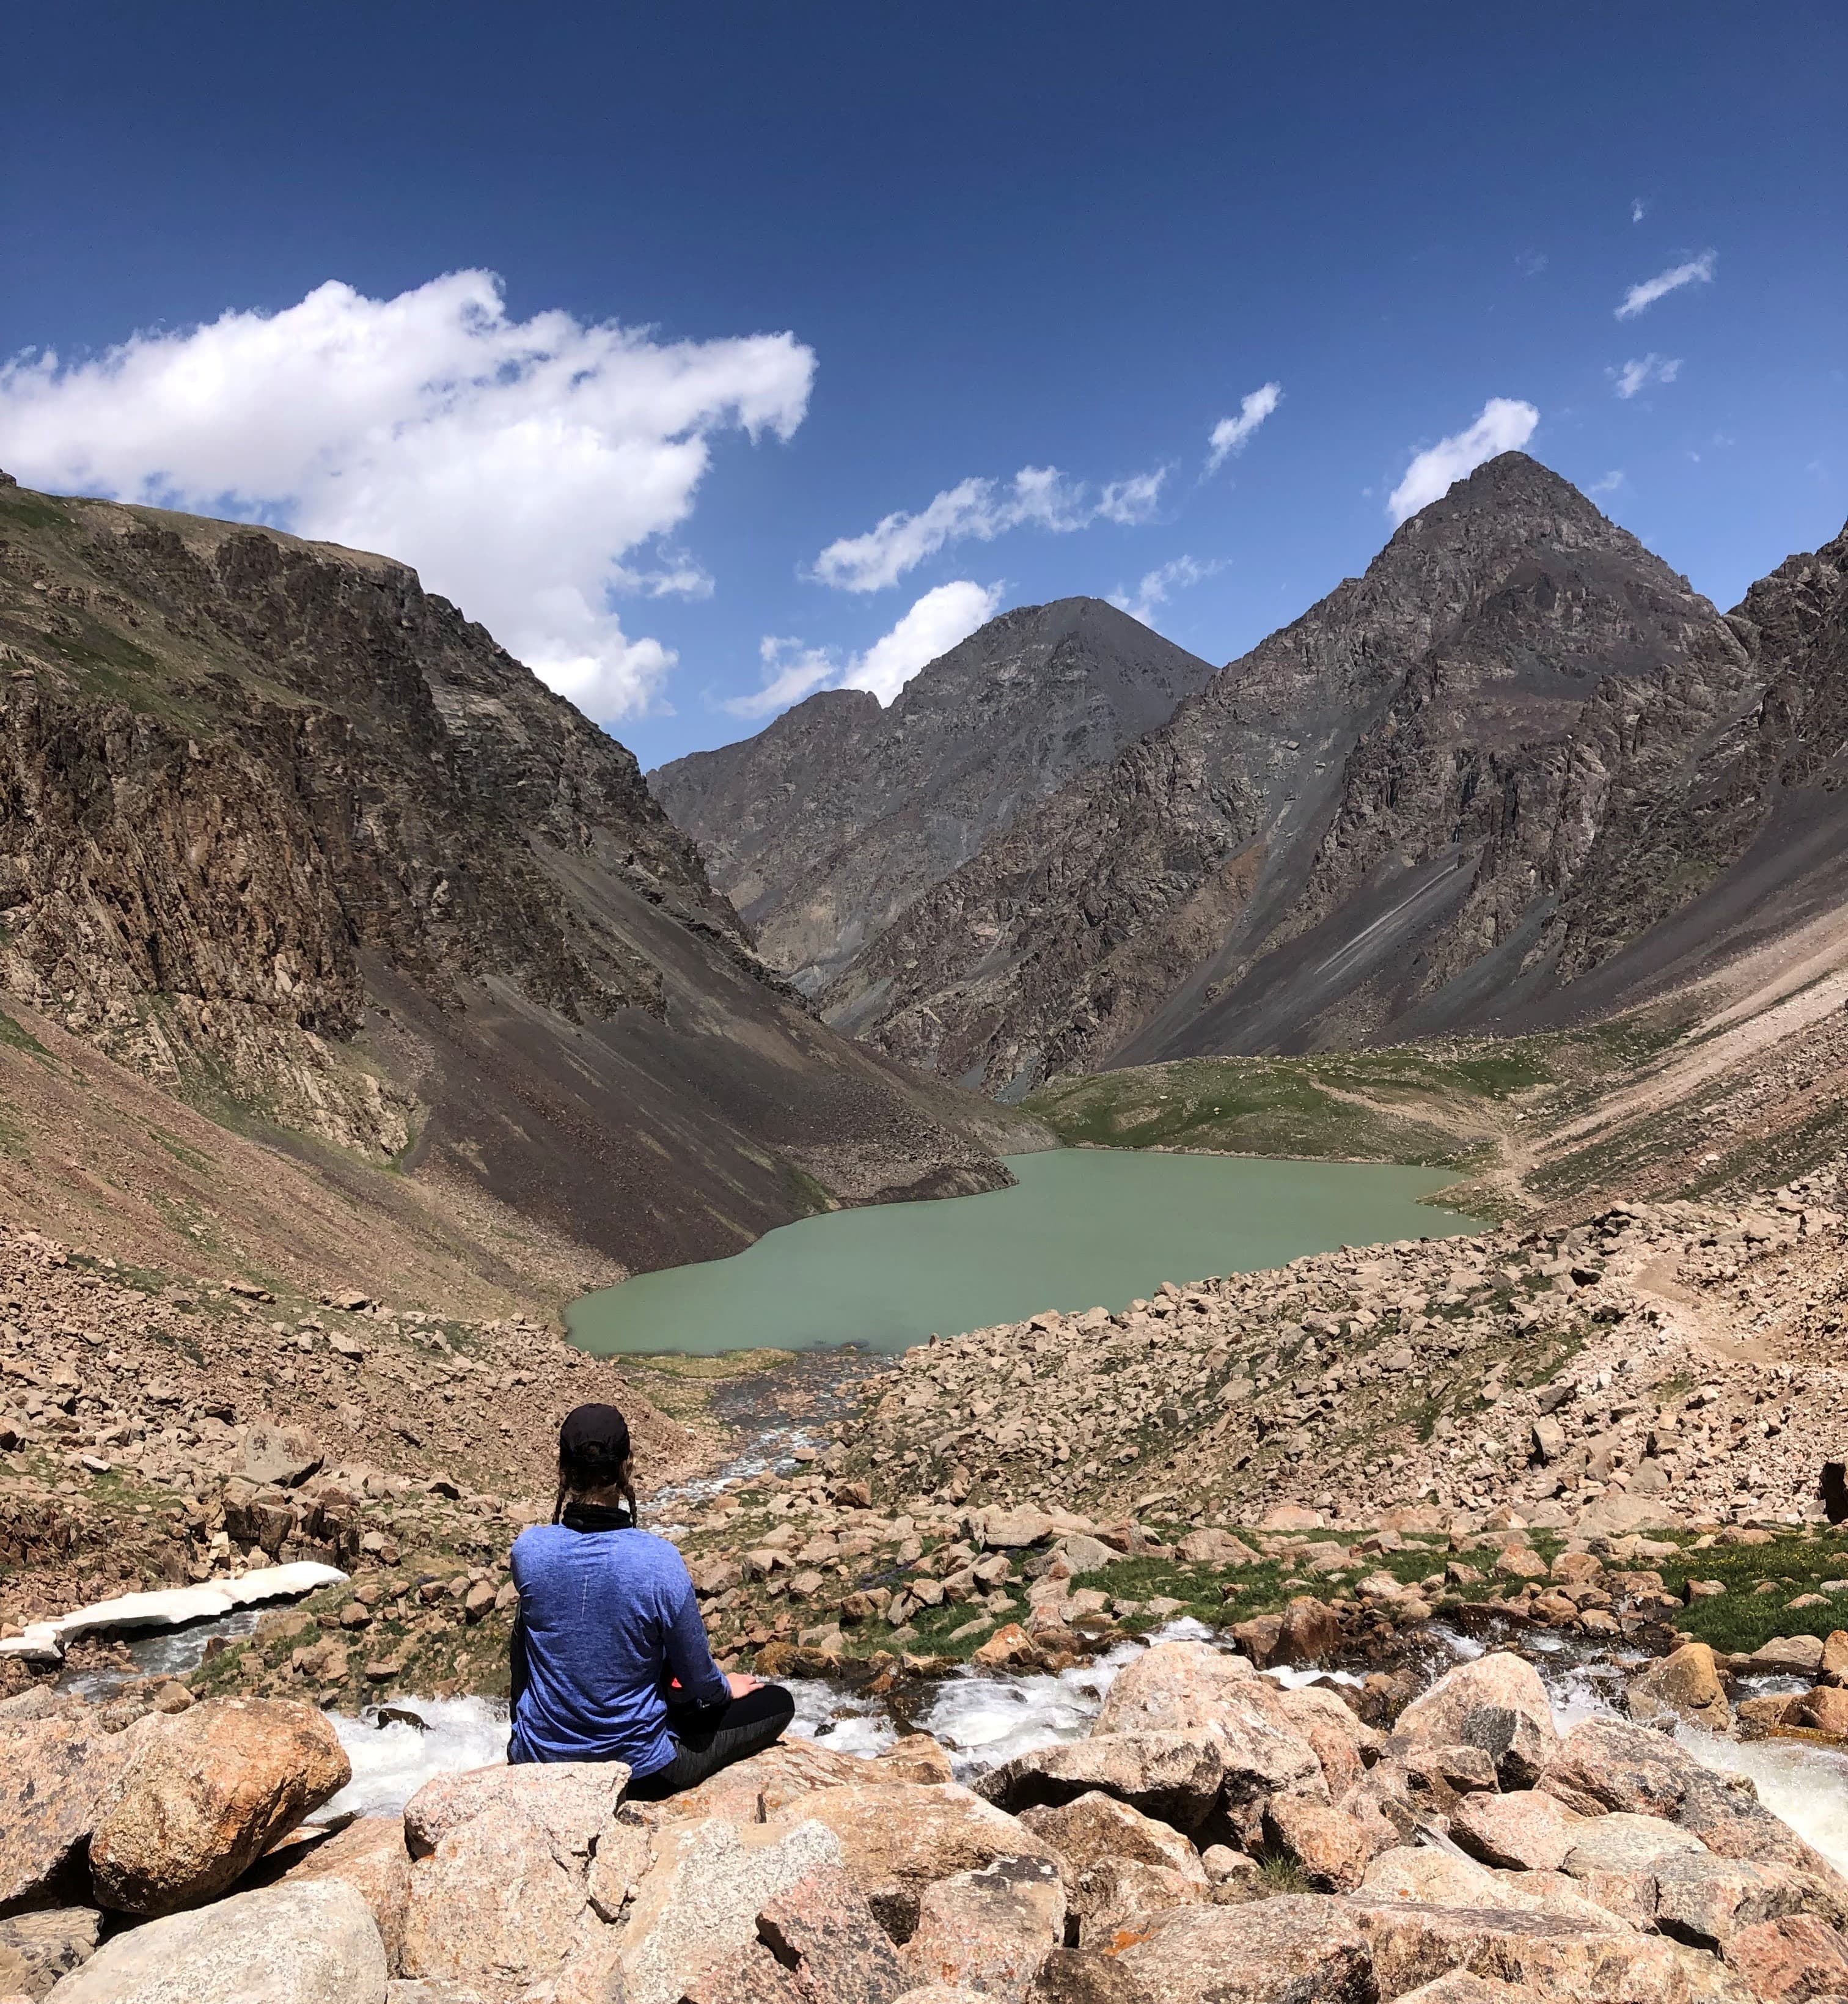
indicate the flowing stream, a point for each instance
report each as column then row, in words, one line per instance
column 986, row 1717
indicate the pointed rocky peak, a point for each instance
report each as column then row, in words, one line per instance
column 1120, row 657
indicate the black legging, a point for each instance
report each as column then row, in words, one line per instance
column 709, row 1737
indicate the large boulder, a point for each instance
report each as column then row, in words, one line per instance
column 772, row 1782
column 1527, row 1831
column 1602, row 1765
column 283, row 1945
column 1114, row 1899
column 55, row 1783
column 817, row 1942
column 1425, row 1875
column 1192, row 1689
column 1174, row 1687
column 1014, row 1529
column 205, row 1795
column 1174, row 1776
column 1544, row 1955
column 989, row 1931
column 493, row 1903
column 1342, row 1741
column 897, row 1838
column 698, row 1905
column 1308, row 1631
column 282, row 1456
column 1623, row 1842
column 1706, row 1902
column 1684, row 1685
column 515, row 1870
column 369, row 1855
column 1790, row 1960
column 36, row 1949
column 1331, row 1848
column 1094, row 1826
column 570, row 1800
column 1289, row 1950
column 914, row 1757
column 1496, row 1703
column 1074, row 1976
column 1434, row 1877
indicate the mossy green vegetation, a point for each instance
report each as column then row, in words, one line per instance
column 1761, row 1582
column 1394, row 1106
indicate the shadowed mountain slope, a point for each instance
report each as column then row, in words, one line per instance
column 1479, row 787
column 828, row 824
column 290, row 836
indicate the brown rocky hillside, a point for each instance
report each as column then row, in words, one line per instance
column 294, row 840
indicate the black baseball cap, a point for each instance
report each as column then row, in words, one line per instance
column 598, row 1433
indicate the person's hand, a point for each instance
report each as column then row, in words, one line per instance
column 740, row 1685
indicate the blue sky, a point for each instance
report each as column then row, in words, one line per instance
column 865, row 257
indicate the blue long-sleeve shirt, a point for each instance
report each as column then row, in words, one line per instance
column 607, row 1620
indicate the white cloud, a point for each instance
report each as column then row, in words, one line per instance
column 1037, row 497
column 1609, row 483
column 1640, row 372
column 1157, row 586
column 935, row 624
column 791, row 672
column 1530, row 263
column 1639, row 209
column 517, row 464
column 1133, row 500
column 941, row 618
column 1695, row 272
column 1504, row 425
column 1231, row 435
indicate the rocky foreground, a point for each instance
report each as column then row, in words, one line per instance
column 1216, row 1836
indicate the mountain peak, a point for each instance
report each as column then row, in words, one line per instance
column 827, row 825
column 1512, row 483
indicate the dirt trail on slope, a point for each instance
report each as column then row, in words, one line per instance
column 1772, row 995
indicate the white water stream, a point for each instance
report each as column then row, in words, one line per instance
column 985, row 1718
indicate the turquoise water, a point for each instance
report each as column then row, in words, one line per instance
column 1082, row 1226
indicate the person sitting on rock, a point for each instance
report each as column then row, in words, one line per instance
column 610, row 1659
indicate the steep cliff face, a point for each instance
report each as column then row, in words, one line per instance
column 826, row 826
column 1363, row 827
column 288, row 833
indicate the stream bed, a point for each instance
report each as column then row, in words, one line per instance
column 985, row 1717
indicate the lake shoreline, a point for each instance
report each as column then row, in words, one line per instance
column 1079, row 1228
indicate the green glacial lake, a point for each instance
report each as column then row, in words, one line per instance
column 1082, row 1226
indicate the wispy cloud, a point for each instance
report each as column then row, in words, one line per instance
column 1133, row 500
column 1695, row 272
column 1640, row 372
column 1639, row 209
column 793, row 670
column 1037, row 497
column 1504, row 425
column 1530, row 264
column 1609, row 483
column 531, row 469
column 1157, row 586
column 1232, row 435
